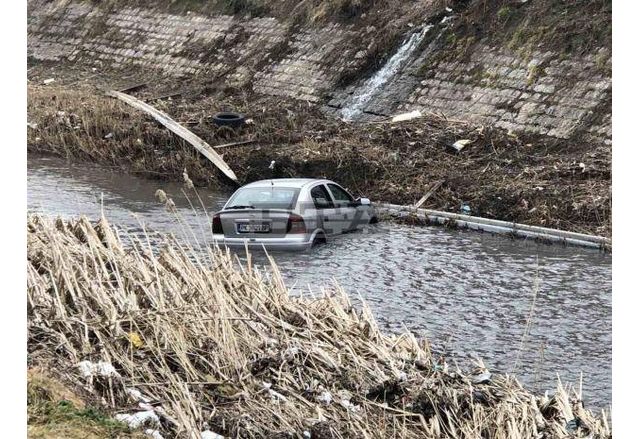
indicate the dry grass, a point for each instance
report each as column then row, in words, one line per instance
column 537, row 181
column 209, row 341
column 91, row 126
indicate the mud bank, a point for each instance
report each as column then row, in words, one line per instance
column 536, row 180
column 200, row 344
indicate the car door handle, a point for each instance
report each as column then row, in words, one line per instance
column 326, row 218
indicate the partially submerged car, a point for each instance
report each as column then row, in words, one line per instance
column 289, row 214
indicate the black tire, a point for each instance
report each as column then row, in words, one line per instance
column 233, row 120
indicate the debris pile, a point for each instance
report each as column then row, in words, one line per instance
column 535, row 180
column 184, row 345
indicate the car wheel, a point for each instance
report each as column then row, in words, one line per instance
column 319, row 239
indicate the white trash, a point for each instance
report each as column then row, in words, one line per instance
column 138, row 419
column 460, row 144
column 89, row 369
column 155, row 434
column 325, row 397
column 406, row 116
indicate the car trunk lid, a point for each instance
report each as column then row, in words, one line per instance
column 254, row 223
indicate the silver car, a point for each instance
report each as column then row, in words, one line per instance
column 289, row 214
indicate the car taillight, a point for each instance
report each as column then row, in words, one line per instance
column 295, row 224
column 216, row 225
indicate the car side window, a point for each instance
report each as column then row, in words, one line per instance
column 341, row 196
column 321, row 198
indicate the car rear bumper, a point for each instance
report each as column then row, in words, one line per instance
column 301, row 242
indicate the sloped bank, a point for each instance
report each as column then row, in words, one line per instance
column 205, row 345
column 527, row 179
column 58, row 410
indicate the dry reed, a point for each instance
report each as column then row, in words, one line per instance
column 211, row 343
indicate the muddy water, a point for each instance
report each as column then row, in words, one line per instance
column 470, row 293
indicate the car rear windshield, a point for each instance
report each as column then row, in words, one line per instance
column 268, row 197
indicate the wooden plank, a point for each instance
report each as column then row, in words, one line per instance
column 199, row 144
column 228, row 145
column 434, row 187
column 133, row 87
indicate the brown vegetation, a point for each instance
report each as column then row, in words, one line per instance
column 210, row 344
column 533, row 180
column 575, row 27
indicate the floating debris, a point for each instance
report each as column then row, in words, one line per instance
column 161, row 196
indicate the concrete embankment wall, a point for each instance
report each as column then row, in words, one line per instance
column 543, row 92
column 539, row 94
column 262, row 51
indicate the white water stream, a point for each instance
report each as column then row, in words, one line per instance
column 364, row 94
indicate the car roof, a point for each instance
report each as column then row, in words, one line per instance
column 285, row 182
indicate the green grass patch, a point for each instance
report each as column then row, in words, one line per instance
column 504, row 13
column 54, row 410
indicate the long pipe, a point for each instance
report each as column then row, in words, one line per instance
column 501, row 227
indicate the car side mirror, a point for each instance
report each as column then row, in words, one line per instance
column 363, row 201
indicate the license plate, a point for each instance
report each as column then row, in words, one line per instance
column 254, row 228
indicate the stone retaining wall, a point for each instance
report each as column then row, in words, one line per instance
column 542, row 94
column 260, row 51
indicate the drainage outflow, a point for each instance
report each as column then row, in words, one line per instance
column 365, row 93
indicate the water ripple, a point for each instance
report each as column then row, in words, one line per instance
column 470, row 293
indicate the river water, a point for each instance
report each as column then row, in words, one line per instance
column 471, row 294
